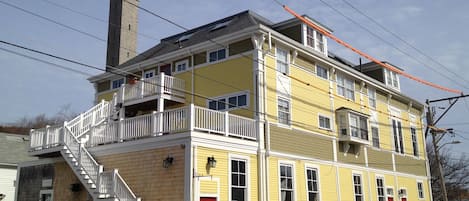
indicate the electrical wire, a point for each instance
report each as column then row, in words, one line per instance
column 405, row 42
column 394, row 46
column 387, row 66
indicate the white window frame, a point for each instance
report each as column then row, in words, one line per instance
column 217, row 59
column 389, row 195
column 377, row 187
column 288, row 112
column 415, row 141
column 360, row 185
column 312, row 34
column 112, row 83
column 327, row 72
column 226, row 102
column 373, row 125
column 420, row 191
column 46, row 192
column 315, row 168
column 392, row 79
column 149, row 72
column 179, row 63
column 397, row 134
column 286, row 62
column 292, row 165
column 247, row 174
column 343, row 85
column 328, row 118
column 372, row 98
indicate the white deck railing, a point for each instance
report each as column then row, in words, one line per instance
column 83, row 122
column 161, row 84
column 112, row 185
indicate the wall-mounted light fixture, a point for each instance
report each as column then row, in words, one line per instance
column 211, row 162
column 168, row 161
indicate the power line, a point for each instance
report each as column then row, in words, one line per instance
column 404, row 41
column 391, row 44
column 61, row 24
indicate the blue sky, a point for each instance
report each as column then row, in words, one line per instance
column 438, row 28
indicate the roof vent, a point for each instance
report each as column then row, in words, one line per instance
column 184, row 38
column 220, row 25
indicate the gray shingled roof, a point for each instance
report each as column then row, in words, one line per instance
column 14, row 149
column 200, row 34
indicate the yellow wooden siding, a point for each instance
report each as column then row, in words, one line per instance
column 103, row 86
column 355, row 155
column 379, row 159
column 271, row 89
column 208, row 187
column 221, row 171
column 300, row 143
column 411, row 165
column 106, row 95
column 240, row 47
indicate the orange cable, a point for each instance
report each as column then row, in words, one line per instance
column 387, row 66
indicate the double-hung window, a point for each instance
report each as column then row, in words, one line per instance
column 415, row 144
column 238, row 180
column 397, row 136
column 392, row 79
column 283, row 111
column 372, row 98
column 286, row 182
column 313, row 184
column 315, row 39
column 282, row 61
column 380, row 188
column 420, row 189
column 375, row 136
column 322, row 72
column 217, row 55
column 345, row 87
column 324, row 122
column 117, row 83
column 357, row 186
column 149, row 74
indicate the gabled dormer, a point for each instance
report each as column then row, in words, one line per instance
column 386, row 76
column 302, row 33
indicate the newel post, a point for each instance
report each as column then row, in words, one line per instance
column 45, row 137
column 191, row 117
column 142, row 87
column 227, row 119
column 154, row 123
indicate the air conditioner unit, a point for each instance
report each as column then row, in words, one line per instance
column 402, row 192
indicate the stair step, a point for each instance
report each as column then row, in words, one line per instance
column 89, row 181
column 86, row 177
column 93, row 186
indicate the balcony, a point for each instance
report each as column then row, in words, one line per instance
column 180, row 120
column 165, row 86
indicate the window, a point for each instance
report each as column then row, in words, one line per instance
column 216, row 55
column 117, row 83
column 315, row 39
column 282, row 61
column 321, row 72
column 149, row 74
column 372, row 97
column 420, row 189
column 345, row 87
column 390, row 193
column 286, row 182
column 380, row 188
column 283, row 111
column 313, row 184
column 375, row 136
column 45, row 195
column 181, row 65
column 324, row 122
column 392, row 79
column 357, row 185
column 397, row 135
column 238, row 180
column 229, row 102
column 415, row 145
column 359, row 126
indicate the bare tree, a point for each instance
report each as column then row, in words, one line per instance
column 456, row 174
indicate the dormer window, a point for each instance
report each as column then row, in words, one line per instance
column 315, row 40
column 392, row 79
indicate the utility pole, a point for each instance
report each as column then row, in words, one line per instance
column 434, row 131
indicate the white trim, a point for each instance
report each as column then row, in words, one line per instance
column 176, row 64
column 345, row 77
column 216, row 50
column 248, row 174
column 45, row 192
column 287, row 163
column 383, row 178
column 145, row 72
column 188, row 173
column 315, row 167
column 40, row 162
column 319, row 121
column 423, row 189
column 360, row 174
column 316, row 72
column 112, row 80
column 230, row 95
column 389, row 195
column 287, row 99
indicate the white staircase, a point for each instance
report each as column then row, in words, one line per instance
column 72, row 138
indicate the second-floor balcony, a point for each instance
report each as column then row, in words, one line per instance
column 165, row 86
column 97, row 132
